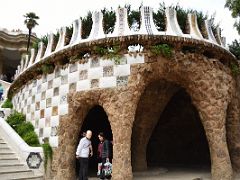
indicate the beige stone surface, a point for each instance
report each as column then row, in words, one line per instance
column 208, row 82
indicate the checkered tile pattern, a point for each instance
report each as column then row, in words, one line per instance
column 44, row 100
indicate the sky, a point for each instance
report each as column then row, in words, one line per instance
column 57, row 13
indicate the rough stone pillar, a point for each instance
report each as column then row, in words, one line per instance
column 233, row 129
column 68, row 133
column 213, row 117
column 121, row 112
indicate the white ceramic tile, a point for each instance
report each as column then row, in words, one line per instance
column 63, row 109
column 106, row 82
column 83, row 85
column 122, row 70
column 53, row 140
column 95, row 73
column 54, row 121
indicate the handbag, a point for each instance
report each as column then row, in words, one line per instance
column 107, row 169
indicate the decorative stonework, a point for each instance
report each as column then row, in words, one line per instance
column 83, row 74
column 95, row 62
column 73, row 68
column 34, row 160
column 122, row 80
column 107, row 71
column 94, row 83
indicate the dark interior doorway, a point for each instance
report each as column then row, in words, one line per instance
column 96, row 121
column 179, row 138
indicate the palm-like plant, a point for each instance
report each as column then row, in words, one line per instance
column 30, row 22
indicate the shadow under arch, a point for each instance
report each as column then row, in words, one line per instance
column 97, row 121
column 164, row 111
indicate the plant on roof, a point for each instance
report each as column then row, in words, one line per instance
column 109, row 52
column 47, row 68
column 162, row 49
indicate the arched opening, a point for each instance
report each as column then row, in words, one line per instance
column 179, row 138
column 96, row 121
column 169, row 132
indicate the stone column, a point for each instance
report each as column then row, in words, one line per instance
column 233, row 130
column 213, row 115
column 68, row 135
column 121, row 109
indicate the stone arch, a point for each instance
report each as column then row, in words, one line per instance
column 153, row 101
column 119, row 105
column 151, row 104
column 97, row 121
column 210, row 86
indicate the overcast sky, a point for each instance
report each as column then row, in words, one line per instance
column 56, row 13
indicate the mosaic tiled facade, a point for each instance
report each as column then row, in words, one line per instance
column 45, row 99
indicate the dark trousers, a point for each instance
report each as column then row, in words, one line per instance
column 83, row 170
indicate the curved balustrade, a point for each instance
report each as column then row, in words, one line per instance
column 147, row 24
column 77, row 31
column 97, row 27
column 40, row 52
column 61, row 41
column 173, row 27
column 121, row 28
column 193, row 25
column 210, row 34
column 49, row 45
column 31, row 57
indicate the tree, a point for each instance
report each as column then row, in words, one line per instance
column 234, row 6
column 87, row 24
column 30, row 22
column 235, row 48
column 109, row 18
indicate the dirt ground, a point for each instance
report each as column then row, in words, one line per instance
column 173, row 174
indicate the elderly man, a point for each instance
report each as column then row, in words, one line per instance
column 84, row 149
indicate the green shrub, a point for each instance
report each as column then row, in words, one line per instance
column 47, row 68
column 24, row 127
column 162, row 49
column 31, row 138
column 7, row 104
column 109, row 53
column 235, row 69
column 47, row 149
column 15, row 119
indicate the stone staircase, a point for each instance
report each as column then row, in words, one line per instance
column 10, row 166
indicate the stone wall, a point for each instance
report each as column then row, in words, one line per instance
column 208, row 82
